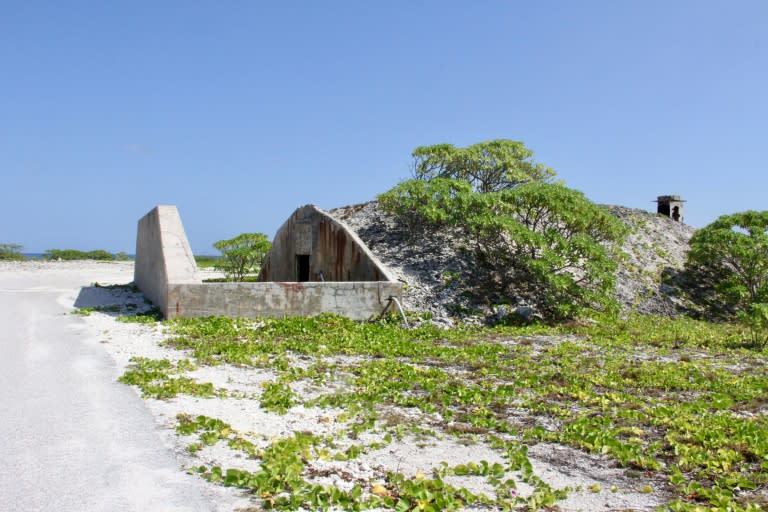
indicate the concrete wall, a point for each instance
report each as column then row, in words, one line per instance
column 333, row 249
column 355, row 300
column 167, row 274
column 163, row 255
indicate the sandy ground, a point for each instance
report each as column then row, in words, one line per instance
column 71, row 439
column 69, row 415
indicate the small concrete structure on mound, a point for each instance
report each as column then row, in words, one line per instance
column 670, row 206
column 312, row 251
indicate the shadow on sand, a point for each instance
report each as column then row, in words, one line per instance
column 114, row 300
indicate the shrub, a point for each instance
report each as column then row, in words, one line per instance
column 11, row 252
column 206, row 261
column 242, row 255
column 74, row 254
column 420, row 204
column 730, row 259
column 545, row 240
column 755, row 318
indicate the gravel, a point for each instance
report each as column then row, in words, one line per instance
column 432, row 265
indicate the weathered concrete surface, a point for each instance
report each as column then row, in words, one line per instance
column 163, row 255
column 167, row 274
column 335, row 252
column 355, row 300
column 671, row 206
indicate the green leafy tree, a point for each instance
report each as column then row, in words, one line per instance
column 544, row 240
column 730, row 256
column 556, row 239
column 488, row 166
column 242, row 255
column 11, row 252
column 421, row 203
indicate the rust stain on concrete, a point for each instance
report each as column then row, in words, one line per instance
column 291, row 287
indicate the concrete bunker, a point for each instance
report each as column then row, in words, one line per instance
column 314, row 246
column 316, row 265
column 670, row 206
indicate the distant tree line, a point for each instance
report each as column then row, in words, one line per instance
column 13, row 252
column 74, row 254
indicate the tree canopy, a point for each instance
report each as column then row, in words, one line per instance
column 732, row 253
column 242, row 255
column 541, row 239
column 488, row 166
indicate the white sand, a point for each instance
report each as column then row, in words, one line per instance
column 557, row 465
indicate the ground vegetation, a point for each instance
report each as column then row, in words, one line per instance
column 677, row 406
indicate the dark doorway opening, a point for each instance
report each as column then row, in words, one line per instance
column 302, row 267
column 663, row 209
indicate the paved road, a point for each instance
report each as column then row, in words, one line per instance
column 71, row 438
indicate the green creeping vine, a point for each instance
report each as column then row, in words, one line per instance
column 88, row 310
column 680, row 403
column 277, row 397
column 149, row 316
column 281, row 481
column 161, row 379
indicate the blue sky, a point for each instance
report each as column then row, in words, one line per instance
column 238, row 112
